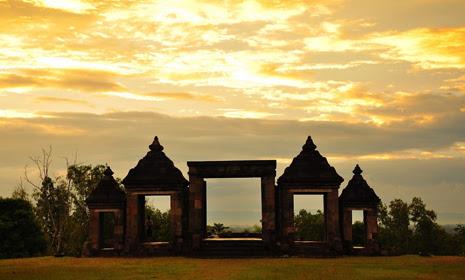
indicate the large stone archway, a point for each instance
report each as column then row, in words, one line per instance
column 200, row 170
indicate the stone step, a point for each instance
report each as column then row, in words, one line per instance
column 314, row 249
column 154, row 249
column 231, row 248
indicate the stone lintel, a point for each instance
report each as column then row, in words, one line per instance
column 108, row 210
column 359, row 208
column 305, row 186
column 358, row 205
column 145, row 188
column 146, row 192
column 311, row 191
column 106, row 205
column 232, row 169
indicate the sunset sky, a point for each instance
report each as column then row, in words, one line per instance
column 375, row 83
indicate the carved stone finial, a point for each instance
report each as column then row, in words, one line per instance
column 156, row 145
column 357, row 170
column 309, row 145
column 108, row 171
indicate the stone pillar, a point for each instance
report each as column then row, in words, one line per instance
column 177, row 221
column 287, row 230
column 132, row 222
column 268, row 212
column 371, row 230
column 196, row 205
column 93, row 237
column 204, row 209
column 119, row 229
column 333, row 233
column 347, row 230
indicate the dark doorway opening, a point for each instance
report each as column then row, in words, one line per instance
column 358, row 229
column 107, row 230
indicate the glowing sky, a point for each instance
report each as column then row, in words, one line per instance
column 379, row 83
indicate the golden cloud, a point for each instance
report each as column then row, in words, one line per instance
column 428, row 48
column 52, row 99
column 75, row 79
column 284, row 71
column 9, row 80
column 209, row 98
column 245, row 113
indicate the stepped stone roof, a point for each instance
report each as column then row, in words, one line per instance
column 155, row 169
column 358, row 192
column 310, row 169
column 108, row 193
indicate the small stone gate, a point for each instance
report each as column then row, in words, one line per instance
column 155, row 174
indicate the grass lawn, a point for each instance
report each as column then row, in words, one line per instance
column 399, row 268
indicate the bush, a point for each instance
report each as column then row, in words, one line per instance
column 20, row 234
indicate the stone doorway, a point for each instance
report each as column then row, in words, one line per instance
column 234, row 203
column 201, row 170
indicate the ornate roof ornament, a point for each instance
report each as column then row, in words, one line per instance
column 358, row 192
column 155, row 169
column 108, row 193
column 310, row 169
column 155, row 146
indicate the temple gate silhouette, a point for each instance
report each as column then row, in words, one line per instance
column 155, row 174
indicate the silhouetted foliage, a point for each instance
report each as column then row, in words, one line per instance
column 161, row 223
column 257, row 228
column 84, row 179
column 412, row 229
column 60, row 205
column 394, row 231
column 358, row 234
column 20, row 234
column 20, row 192
column 108, row 229
column 309, row 226
column 53, row 200
column 459, row 239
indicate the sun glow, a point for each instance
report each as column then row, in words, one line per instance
column 73, row 6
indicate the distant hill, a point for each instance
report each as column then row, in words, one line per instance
column 449, row 227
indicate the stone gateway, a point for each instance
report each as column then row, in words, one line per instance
column 155, row 174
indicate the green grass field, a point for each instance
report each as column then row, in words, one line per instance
column 399, row 268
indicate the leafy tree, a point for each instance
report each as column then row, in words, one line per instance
column 84, row 179
column 426, row 231
column 216, row 228
column 219, row 228
column 161, row 230
column 257, row 228
column 20, row 192
column 309, row 226
column 358, row 234
column 411, row 228
column 394, row 231
column 20, row 234
column 60, row 201
column 459, row 240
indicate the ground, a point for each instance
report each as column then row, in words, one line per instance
column 347, row 268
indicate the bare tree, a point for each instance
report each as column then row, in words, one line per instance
column 53, row 202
